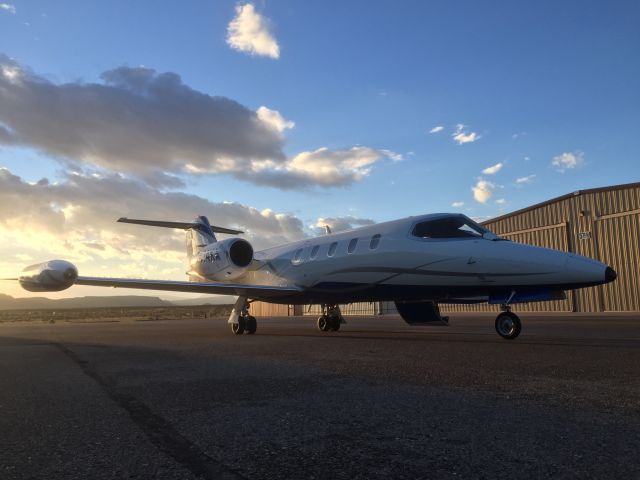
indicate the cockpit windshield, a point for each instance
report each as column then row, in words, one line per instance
column 454, row 226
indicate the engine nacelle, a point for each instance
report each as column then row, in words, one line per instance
column 230, row 258
column 52, row 276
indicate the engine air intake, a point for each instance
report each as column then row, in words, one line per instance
column 241, row 253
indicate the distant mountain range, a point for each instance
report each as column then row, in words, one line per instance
column 8, row 302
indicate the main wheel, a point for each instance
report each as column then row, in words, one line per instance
column 238, row 328
column 334, row 321
column 508, row 325
column 323, row 323
column 251, row 325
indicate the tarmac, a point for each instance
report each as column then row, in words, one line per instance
column 186, row 399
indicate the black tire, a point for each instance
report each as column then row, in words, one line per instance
column 334, row 322
column 238, row 328
column 251, row 325
column 323, row 323
column 508, row 325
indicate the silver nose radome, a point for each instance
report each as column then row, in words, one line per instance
column 584, row 271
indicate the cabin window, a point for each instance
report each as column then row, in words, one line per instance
column 352, row 245
column 375, row 240
column 332, row 249
column 297, row 256
column 314, row 252
column 448, row 227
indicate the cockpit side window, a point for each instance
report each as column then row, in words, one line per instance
column 448, row 227
column 297, row 257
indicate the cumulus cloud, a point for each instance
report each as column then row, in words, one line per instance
column 274, row 119
column 8, row 7
column 330, row 167
column 461, row 136
column 393, row 156
column 338, row 224
column 567, row 161
column 249, row 32
column 137, row 121
column 483, row 190
column 9, row 71
column 152, row 126
column 524, row 180
column 493, row 169
column 436, row 129
column 501, row 201
column 457, row 204
column 321, row 167
column 75, row 218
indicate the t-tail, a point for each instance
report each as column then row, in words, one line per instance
column 200, row 232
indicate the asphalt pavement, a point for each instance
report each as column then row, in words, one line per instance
column 182, row 399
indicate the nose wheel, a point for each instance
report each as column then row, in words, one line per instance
column 508, row 325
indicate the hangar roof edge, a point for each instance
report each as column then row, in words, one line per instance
column 576, row 193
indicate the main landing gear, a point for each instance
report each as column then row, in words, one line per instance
column 508, row 324
column 330, row 319
column 240, row 320
column 246, row 324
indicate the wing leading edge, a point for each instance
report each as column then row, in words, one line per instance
column 260, row 291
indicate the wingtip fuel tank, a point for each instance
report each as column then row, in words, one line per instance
column 51, row 276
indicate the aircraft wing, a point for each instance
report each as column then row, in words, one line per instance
column 260, row 291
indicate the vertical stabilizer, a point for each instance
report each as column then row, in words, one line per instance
column 199, row 236
column 204, row 228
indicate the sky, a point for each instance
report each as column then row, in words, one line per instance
column 279, row 117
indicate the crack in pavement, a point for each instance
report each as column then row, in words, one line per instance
column 159, row 431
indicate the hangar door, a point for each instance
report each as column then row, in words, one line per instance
column 618, row 245
column 551, row 236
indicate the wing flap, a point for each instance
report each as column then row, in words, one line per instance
column 256, row 291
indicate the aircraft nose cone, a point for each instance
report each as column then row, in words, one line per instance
column 586, row 271
column 610, row 275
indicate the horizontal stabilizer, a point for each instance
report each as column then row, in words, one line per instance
column 179, row 225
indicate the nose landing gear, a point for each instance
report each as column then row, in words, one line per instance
column 246, row 324
column 330, row 319
column 508, row 324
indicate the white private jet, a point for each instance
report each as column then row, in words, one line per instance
column 415, row 262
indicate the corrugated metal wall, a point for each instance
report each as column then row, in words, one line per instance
column 262, row 309
column 601, row 223
column 357, row 308
column 621, row 252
